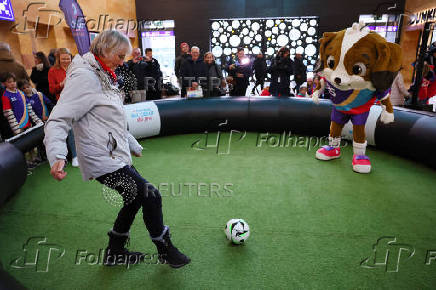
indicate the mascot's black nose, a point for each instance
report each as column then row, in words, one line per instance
column 338, row 81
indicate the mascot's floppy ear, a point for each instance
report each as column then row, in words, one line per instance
column 326, row 38
column 387, row 64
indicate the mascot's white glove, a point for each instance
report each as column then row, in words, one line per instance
column 315, row 97
column 385, row 116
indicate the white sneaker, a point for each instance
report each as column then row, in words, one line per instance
column 75, row 162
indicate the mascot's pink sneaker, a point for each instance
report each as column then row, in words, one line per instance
column 328, row 153
column 361, row 163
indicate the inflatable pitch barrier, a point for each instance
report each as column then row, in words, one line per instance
column 412, row 135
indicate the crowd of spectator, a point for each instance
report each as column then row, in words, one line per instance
column 235, row 74
column 199, row 74
column 25, row 106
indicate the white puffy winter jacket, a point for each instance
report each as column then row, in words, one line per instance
column 92, row 106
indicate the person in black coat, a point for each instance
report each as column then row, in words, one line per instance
column 259, row 67
column 152, row 75
column 192, row 71
column 281, row 69
column 184, row 54
column 39, row 75
column 300, row 71
column 240, row 70
column 135, row 66
column 215, row 84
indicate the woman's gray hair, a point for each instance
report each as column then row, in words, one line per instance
column 209, row 52
column 109, row 42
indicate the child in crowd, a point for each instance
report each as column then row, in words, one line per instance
column 309, row 86
column 18, row 111
column 318, row 82
column 41, row 105
column 303, row 91
column 265, row 92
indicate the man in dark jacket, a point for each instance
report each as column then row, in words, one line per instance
column 259, row 67
column 152, row 75
column 193, row 71
column 240, row 70
column 300, row 71
column 184, row 54
column 281, row 69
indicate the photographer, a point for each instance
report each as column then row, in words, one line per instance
column 281, row 69
column 136, row 67
column 300, row 71
column 240, row 70
column 259, row 67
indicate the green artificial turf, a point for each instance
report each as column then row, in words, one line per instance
column 312, row 222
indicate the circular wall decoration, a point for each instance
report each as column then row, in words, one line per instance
column 235, row 40
column 267, row 35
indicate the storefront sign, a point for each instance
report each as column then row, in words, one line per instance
column 423, row 17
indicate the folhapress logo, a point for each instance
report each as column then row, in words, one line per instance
column 218, row 141
column 38, row 254
column 388, row 254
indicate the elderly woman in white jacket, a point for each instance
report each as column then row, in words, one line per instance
column 91, row 104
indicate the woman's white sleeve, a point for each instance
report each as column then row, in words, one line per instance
column 134, row 146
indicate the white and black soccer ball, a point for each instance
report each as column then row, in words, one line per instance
column 237, row 231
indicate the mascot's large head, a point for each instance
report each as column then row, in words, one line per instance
column 356, row 58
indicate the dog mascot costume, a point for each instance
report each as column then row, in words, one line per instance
column 357, row 69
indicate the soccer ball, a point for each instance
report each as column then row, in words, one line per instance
column 237, row 231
